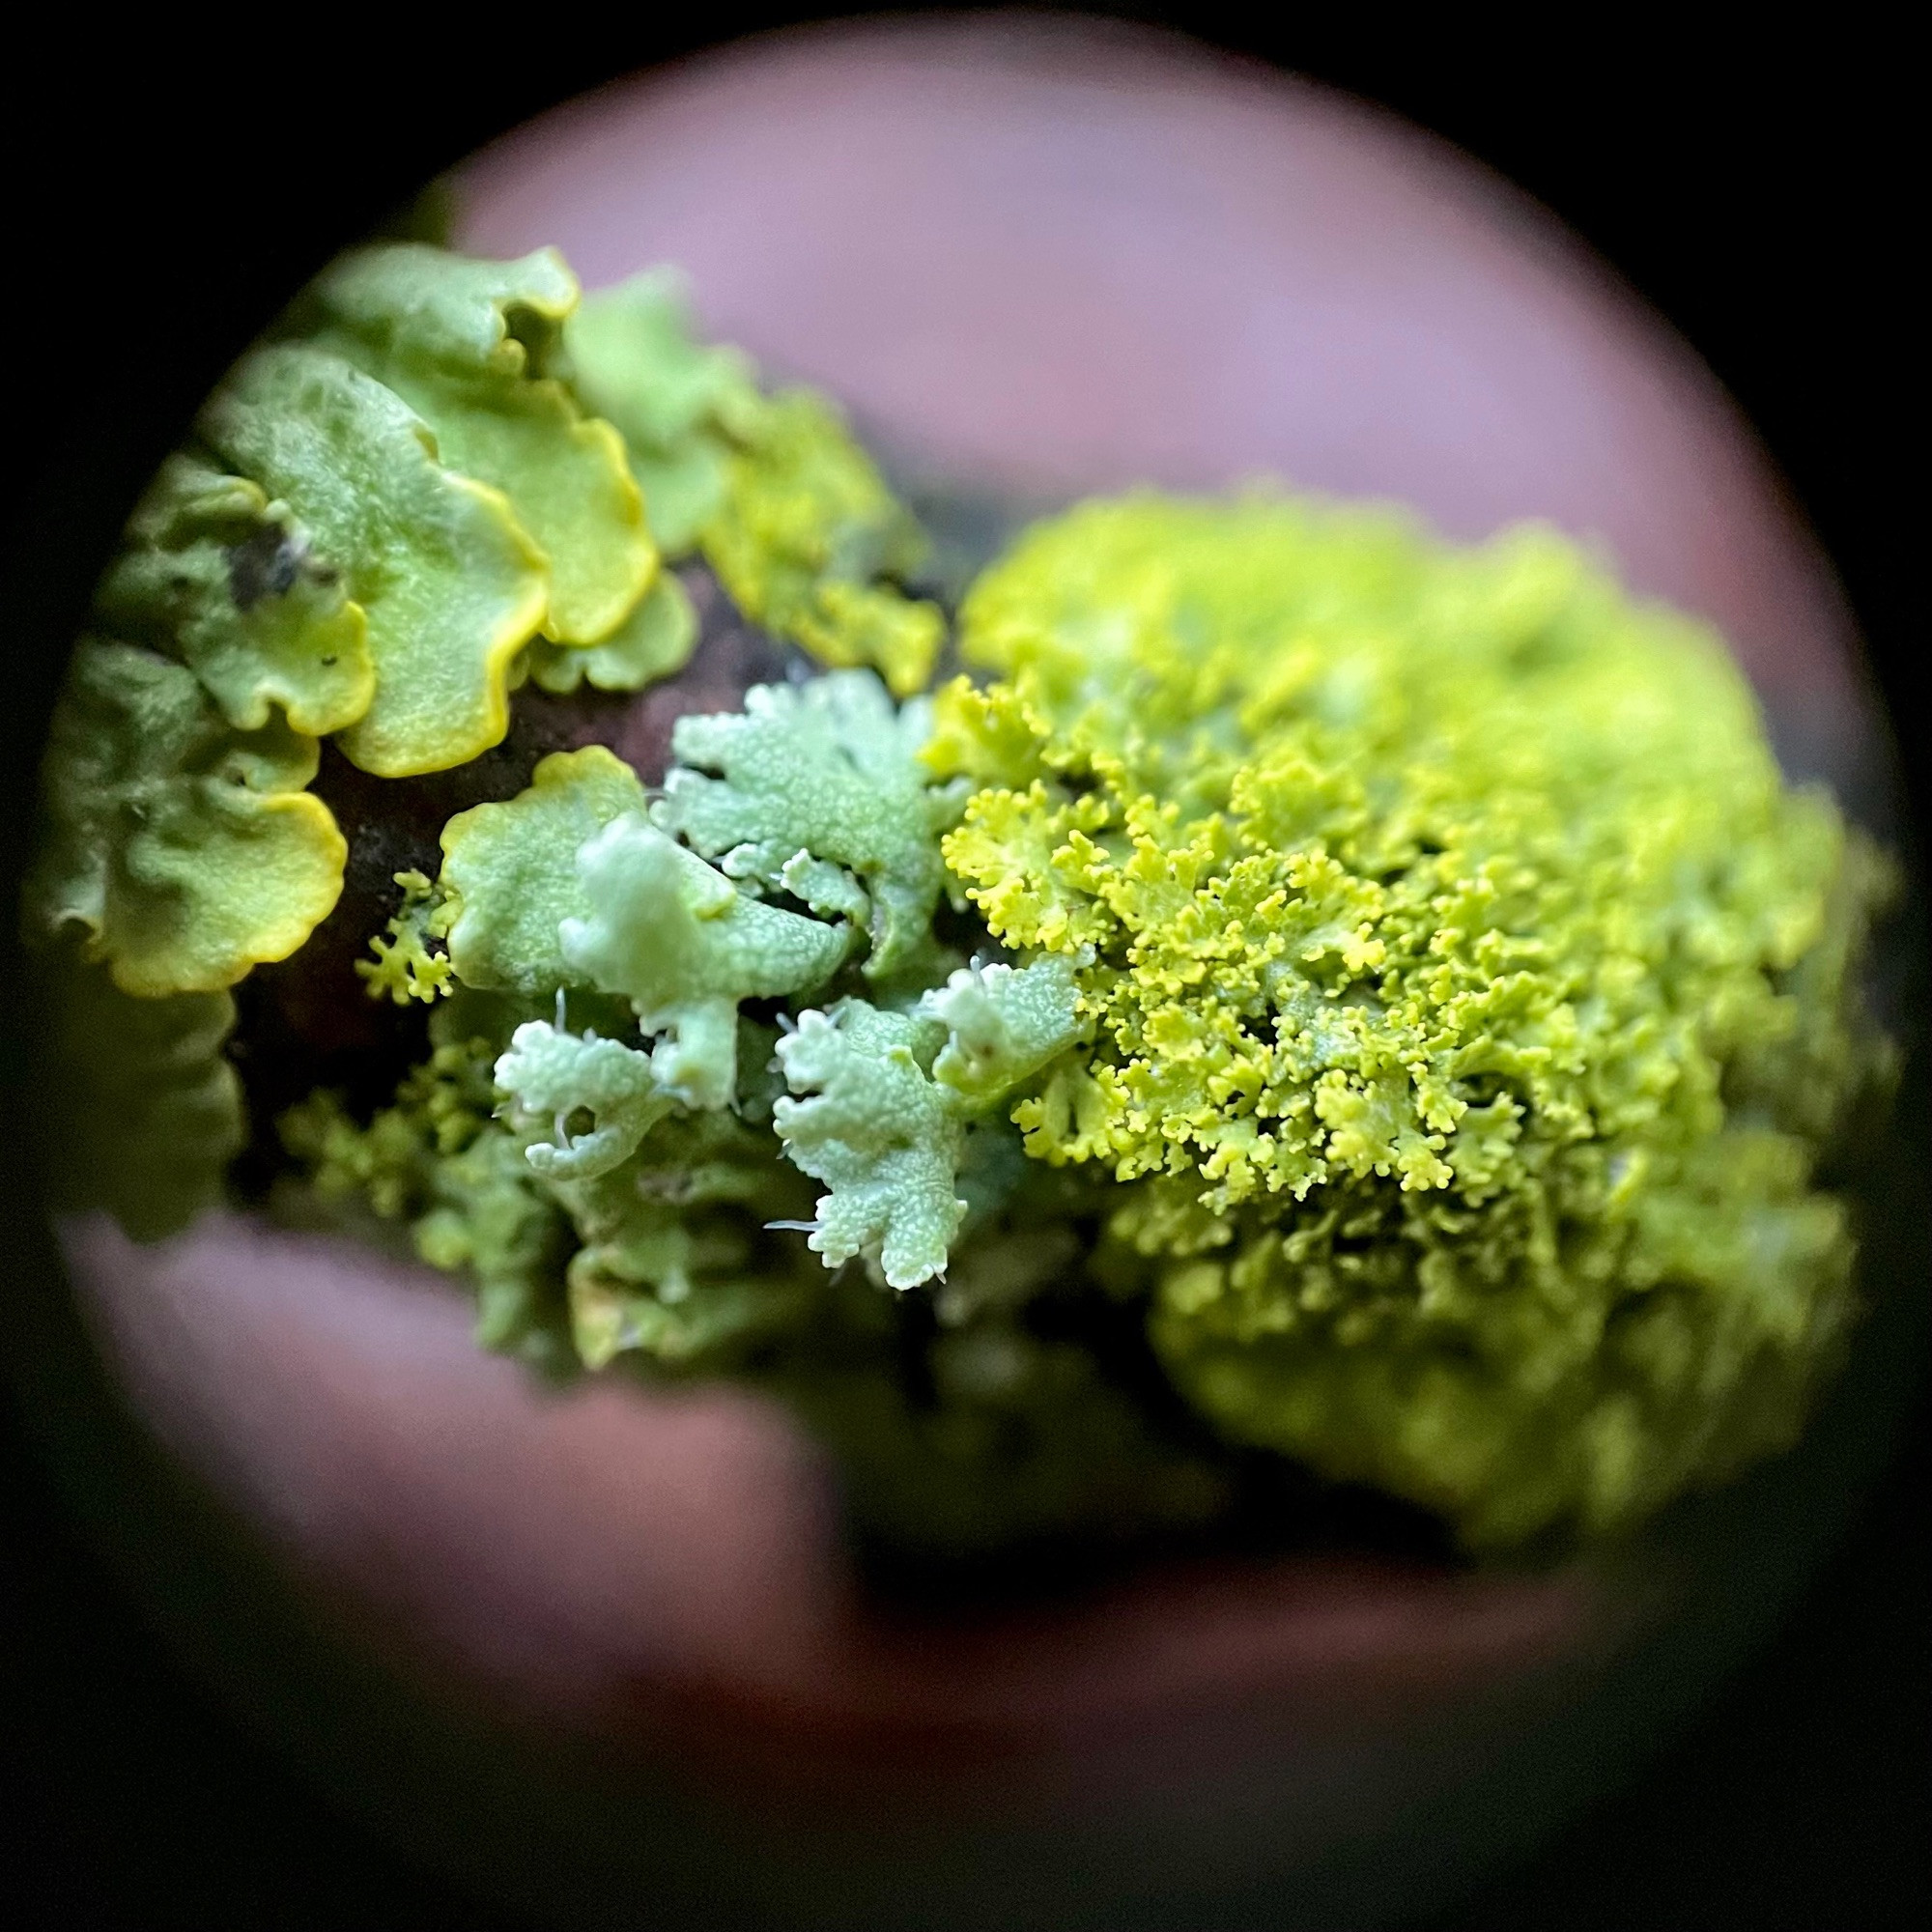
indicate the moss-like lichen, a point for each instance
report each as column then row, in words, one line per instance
column 1429, row 907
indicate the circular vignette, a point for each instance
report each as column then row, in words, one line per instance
column 1774, row 600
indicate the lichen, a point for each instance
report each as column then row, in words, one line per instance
column 1424, row 904
column 818, row 791
column 683, row 408
column 811, row 544
column 510, row 870
column 466, row 344
column 686, row 948
column 451, row 584
column 144, row 1110
column 1409, row 960
column 229, row 583
column 1308, row 989
column 177, row 850
column 786, row 505
column 877, row 1130
column 404, row 966
column 654, row 641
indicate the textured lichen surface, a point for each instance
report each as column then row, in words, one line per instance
column 392, row 514
column 1307, row 992
column 1439, row 916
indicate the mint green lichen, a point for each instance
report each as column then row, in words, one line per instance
column 677, row 1266
column 879, row 1133
column 685, row 947
column 551, row 1074
column 890, row 1097
column 1004, row 1026
column 818, row 792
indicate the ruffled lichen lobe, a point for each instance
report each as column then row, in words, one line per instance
column 178, row 851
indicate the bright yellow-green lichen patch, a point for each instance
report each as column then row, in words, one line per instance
column 217, row 574
column 805, row 538
column 1428, row 907
column 453, row 586
column 788, row 508
column 683, row 408
column 179, row 851
column 403, row 967
column 465, row 345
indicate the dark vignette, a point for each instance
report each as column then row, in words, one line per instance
column 168, row 185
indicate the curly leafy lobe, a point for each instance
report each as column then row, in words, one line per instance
column 452, row 586
column 684, row 946
column 789, row 511
column 816, row 783
column 464, row 344
column 510, row 870
column 654, row 640
column 551, row 1074
column 145, row 1111
column 630, row 356
column 218, row 574
column 674, row 1266
column 181, row 851
column 1002, row 1026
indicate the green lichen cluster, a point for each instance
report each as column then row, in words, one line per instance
column 390, row 515
column 1443, row 921
column 784, row 504
column 1307, row 989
